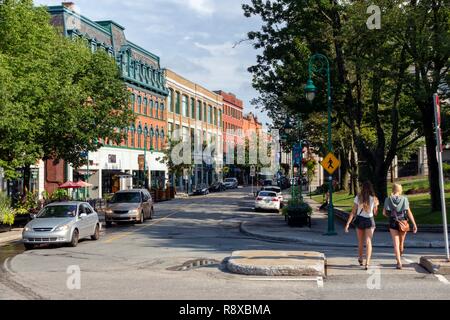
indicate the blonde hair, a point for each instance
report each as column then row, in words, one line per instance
column 397, row 189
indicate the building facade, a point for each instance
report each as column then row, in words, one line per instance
column 116, row 167
column 195, row 114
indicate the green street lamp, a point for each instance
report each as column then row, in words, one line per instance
column 320, row 65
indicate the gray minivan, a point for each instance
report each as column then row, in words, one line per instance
column 134, row 205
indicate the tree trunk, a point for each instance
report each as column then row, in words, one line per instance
column 433, row 169
column 380, row 179
column 26, row 179
column 354, row 188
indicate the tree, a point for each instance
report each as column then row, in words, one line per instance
column 369, row 73
column 425, row 33
column 57, row 97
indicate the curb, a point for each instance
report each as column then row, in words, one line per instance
column 415, row 245
column 238, row 264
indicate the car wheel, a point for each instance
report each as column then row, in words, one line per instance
column 75, row 237
column 141, row 218
column 29, row 246
column 96, row 234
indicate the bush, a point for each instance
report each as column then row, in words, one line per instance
column 446, row 170
column 7, row 213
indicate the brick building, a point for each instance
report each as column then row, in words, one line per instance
column 196, row 113
column 115, row 167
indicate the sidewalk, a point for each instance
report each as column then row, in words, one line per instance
column 12, row 236
column 272, row 226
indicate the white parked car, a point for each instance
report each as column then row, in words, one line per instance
column 267, row 200
column 275, row 189
column 231, row 183
column 62, row 223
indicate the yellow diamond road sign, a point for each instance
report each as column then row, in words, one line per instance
column 330, row 163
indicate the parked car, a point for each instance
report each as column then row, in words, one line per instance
column 267, row 182
column 231, row 183
column 134, row 205
column 201, row 190
column 62, row 223
column 267, row 200
column 217, row 187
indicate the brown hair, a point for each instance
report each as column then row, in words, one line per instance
column 365, row 194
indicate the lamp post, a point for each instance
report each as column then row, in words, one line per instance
column 320, row 65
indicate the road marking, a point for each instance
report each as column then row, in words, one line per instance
column 319, row 280
column 408, row 261
column 442, row 279
column 126, row 234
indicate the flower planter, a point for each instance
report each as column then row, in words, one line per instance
column 5, row 228
column 298, row 215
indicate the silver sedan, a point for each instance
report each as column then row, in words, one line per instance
column 62, row 223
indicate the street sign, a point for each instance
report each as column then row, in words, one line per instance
column 298, row 155
column 252, row 171
column 330, row 163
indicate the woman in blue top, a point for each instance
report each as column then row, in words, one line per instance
column 396, row 208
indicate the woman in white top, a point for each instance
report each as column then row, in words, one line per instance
column 365, row 209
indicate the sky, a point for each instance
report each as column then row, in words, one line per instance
column 194, row 38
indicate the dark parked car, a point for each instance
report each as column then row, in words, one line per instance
column 201, row 190
column 217, row 187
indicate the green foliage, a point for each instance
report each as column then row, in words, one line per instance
column 446, row 170
column 57, row 98
column 60, row 195
column 297, row 206
column 374, row 94
column 7, row 213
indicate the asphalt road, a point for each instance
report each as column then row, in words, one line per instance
column 180, row 255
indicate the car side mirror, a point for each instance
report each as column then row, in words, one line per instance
column 83, row 215
column 33, row 216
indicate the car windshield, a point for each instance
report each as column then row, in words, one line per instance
column 267, row 194
column 230, row 180
column 126, row 197
column 62, row 211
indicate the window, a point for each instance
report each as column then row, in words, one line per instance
column 139, row 107
column 133, row 136
column 145, row 106
column 162, row 111
column 157, row 109
column 220, row 118
column 177, row 104
column 215, row 116
column 192, row 108
column 151, row 108
column 210, row 115
column 170, row 100
column 185, row 106
column 170, row 130
column 199, row 110
column 157, row 139
column 139, row 137
column 204, row 112
column 133, row 101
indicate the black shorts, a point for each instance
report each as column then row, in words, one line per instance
column 364, row 223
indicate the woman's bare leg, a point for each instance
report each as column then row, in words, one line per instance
column 402, row 236
column 368, row 236
column 396, row 242
column 360, row 234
